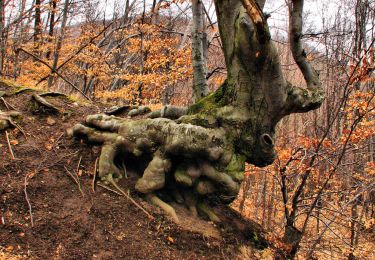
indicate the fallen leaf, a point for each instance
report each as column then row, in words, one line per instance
column 13, row 142
column 31, row 174
column 48, row 146
column 51, row 121
column 170, row 239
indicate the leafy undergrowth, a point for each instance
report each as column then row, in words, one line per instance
column 44, row 214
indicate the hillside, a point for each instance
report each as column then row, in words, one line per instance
column 73, row 221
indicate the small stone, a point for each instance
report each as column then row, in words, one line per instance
column 51, row 121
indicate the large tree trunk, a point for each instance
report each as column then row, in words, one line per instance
column 200, row 157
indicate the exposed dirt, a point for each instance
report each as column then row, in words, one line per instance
column 70, row 224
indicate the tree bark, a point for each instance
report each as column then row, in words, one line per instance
column 200, row 87
column 37, row 21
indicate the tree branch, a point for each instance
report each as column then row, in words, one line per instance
column 300, row 99
column 53, row 71
column 80, row 49
column 299, row 54
column 257, row 17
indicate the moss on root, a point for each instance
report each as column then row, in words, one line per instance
column 209, row 104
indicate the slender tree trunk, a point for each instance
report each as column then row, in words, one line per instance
column 200, row 88
column 245, row 191
column 128, row 8
column 53, row 5
column 353, row 224
column 37, row 21
column 155, row 11
column 264, row 199
column 19, row 32
column 2, row 36
column 59, row 43
column 257, row 200
column 271, row 204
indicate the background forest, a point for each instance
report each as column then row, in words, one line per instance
column 140, row 52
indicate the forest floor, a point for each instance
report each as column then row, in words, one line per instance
column 44, row 214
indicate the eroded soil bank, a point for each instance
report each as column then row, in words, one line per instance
column 74, row 222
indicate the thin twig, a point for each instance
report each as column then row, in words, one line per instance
column 71, row 175
column 9, row 145
column 76, row 180
column 94, row 177
column 42, row 101
column 18, row 127
column 59, row 137
column 108, row 188
column 77, row 174
column 79, row 186
column 79, row 163
column 5, row 103
column 11, row 106
column 110, row 179
column 28, row 202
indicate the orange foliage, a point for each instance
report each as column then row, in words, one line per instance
column 146, row 63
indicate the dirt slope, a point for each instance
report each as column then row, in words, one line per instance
column 69, row 224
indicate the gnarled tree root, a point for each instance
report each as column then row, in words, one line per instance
column 168, row 209
column 115, row 110
column 42, row 102
column 203, row 208
column 189, row 164
column 7, row 119
column 171, row 112
column 130, row 110
column 52, row 94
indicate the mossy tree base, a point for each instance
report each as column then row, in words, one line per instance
column 194, row 165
